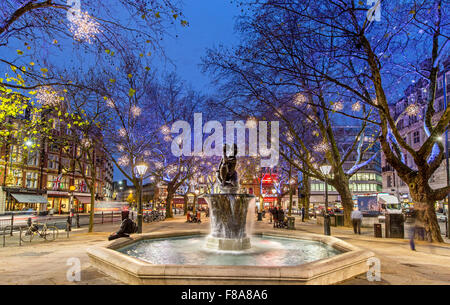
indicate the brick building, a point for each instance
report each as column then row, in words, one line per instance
column 40, row 179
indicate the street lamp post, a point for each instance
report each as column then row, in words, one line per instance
column 195, row 208
column 325, row 169
column 141, row 169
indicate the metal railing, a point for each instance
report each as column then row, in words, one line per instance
column 18, row 224
column 9, row 230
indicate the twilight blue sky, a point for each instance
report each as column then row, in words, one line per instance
column 211, row 22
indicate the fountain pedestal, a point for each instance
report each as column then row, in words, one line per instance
column 228, row 214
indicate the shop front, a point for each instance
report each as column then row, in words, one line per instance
column 269, row 202
column 58, row 201
column 26, row 202
column 201, row 203
column 178, row 202
column 82, row 203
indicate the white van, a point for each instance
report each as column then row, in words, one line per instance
column 388, row 205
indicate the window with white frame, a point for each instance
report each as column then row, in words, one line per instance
column 31, row 180
column 17, row 175
column 53, row 161
column 15, row 154
column 33, row 158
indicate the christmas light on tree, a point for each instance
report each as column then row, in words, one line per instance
column 83, row 27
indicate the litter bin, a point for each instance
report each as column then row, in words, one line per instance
column 333, row 220
column 339, row 220
column 291, row 223
column 377, row 230
column 394, row 226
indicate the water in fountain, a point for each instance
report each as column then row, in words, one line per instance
column 228, row 216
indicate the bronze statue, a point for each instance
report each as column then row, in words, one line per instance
column 227, row 174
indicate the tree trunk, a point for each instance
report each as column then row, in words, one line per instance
column 290, row 200
column 185, row 204
column 307, row 194
column 91, row 212
column 426, row 213
column 169, row 198
column 346, row 200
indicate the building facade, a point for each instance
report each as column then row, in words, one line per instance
column 366, row 181
column 411, row 128
column 41, row 179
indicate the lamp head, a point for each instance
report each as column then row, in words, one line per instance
column 325, row 169
column 141, row 169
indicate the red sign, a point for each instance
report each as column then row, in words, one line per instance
column 178, row 200
column 269, row 178
column 270, row 199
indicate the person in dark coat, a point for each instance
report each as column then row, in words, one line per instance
column 126, row 227
column 280, row 216
column 303, row 214
column 275, row 215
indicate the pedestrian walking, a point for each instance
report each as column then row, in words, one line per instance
column 303, row 214
column 356, row 217
column 416, row 229
column 275, row 215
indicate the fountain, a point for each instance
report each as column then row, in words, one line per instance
column 224, row 254
column 228, row 210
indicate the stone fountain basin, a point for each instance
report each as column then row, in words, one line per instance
column 350, row 263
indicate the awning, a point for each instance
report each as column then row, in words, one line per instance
column 389, row 199
column 27, row 198
column 84, row 199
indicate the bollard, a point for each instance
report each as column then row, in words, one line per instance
column 326, row 223
column 12, row 223
column 102, row 217
column 78, row 220
column 20, row 236
column 68, row 224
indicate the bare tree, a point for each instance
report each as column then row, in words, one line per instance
column 372, row 61
column 267, row 74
